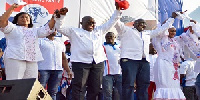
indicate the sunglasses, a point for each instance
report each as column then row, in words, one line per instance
column 90, row 23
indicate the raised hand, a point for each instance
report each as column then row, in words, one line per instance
column 117, row 6
column 15, row 5
column 57, row 13
column 63, row 11
column 193, row 21
column 174, row 15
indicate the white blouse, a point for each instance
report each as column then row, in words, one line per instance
column 22, row 42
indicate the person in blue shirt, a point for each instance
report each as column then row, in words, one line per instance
column 2, row 47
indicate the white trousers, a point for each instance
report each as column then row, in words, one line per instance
column 20, row 69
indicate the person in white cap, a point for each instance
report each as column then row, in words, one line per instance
column 169, row 49
column 166, row 74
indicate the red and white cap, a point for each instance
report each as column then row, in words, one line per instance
column 123, row 4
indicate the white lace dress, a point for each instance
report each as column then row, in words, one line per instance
column 166, row 75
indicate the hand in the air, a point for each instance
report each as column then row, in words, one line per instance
column 174, row 15
column 62, row 11
column 15, row 5
column 193, row 21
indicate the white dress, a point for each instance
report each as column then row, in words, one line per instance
column 166, row 75
column 152, row 62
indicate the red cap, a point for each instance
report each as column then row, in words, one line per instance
column 185, row 29
column 123, row 4
column 67, row 42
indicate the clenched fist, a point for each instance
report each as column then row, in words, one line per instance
column 62, row 11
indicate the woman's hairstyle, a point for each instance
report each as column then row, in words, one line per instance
column 19, row 14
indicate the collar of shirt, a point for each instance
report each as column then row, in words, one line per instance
column 68, row 53
column 113, row 45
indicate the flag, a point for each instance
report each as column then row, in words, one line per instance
column 165, row 9
column 40, row 10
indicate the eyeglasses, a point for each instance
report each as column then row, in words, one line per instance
column 172, row 30
column 90, row 23
column 143, row 24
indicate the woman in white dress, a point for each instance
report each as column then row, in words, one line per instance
column 166, row 74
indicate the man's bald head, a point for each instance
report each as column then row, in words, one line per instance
column 88, row 23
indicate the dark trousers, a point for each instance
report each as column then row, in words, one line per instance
column 197, row 85
column 135, row 70
column 89, row 75
column 190, row 93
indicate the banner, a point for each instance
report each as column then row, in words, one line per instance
column 40, row 10
column 165, row 9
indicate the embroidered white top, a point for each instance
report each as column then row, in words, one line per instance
column 152, row 62
column 22, row 42
column 52, row 54
column 87, row 46
column 191, row 45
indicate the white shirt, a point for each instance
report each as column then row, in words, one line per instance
column 152, row 61
column 135, row 44
column 87, row 46
column 22, row 42
column 112, row 66
column 52, row 54
column 187, row 67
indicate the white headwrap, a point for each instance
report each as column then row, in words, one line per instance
column 19, row 2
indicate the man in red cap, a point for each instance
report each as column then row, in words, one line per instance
column 87, row 53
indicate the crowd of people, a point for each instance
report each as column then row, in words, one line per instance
column 145, row 65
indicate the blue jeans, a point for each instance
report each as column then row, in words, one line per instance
column 197, row 84
column 135, row 70
column 52, row 78
column 112, row 87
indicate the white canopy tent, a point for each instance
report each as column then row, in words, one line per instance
column 101, row 10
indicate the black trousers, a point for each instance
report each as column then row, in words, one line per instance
column 190, row 93
column 86, row 77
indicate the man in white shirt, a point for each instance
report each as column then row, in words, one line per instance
column 51, row 68
column 112, row 79
column 187, row 69
column 135, row 56
column 87, row 53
